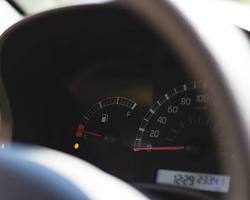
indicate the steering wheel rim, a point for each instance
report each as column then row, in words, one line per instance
column 32, row 172
column 175, row 20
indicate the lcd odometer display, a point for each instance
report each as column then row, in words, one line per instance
column 197, row 181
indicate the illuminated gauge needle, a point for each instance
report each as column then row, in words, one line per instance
column 80, row 131
column 167, row 148
column 92, row 134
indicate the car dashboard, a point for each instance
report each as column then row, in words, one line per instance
column 97, row 83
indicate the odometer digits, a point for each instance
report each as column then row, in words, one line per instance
column 197, row 181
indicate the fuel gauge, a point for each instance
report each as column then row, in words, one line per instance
column 105, row 133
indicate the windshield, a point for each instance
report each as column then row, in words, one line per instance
column 31, row 6
column 237, row 12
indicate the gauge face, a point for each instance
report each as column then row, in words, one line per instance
column 174, row 134
column 177, row 122
column 103, row 136
column 177, row 133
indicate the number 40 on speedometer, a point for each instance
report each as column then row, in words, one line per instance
column 177, row 121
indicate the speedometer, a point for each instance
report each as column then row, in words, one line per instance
column 178, row 121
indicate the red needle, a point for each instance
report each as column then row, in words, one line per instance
column 80, row 131
column 92, row 133
column 167, row 148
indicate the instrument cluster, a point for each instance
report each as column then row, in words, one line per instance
column 116, row 95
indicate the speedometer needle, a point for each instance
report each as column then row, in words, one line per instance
column 166, row 148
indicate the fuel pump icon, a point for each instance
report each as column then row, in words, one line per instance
column 104, row 118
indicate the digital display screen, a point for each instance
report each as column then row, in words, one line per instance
column 197, row 181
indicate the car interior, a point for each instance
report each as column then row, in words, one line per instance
column 125, row 100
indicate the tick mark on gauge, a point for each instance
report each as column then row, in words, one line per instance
column 184, row 87
column 152, row 111
column 141, row 129
column 85, row 117
column 100, row 104
column 166, row 96
column 133, row 107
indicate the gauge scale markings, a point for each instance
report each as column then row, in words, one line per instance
column 109, row 102
column 154, row 134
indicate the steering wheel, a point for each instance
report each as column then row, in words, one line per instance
column 213, row 51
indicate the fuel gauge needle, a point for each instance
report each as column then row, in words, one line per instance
column 80, row 131
column 163, row 148
column 92, row 134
